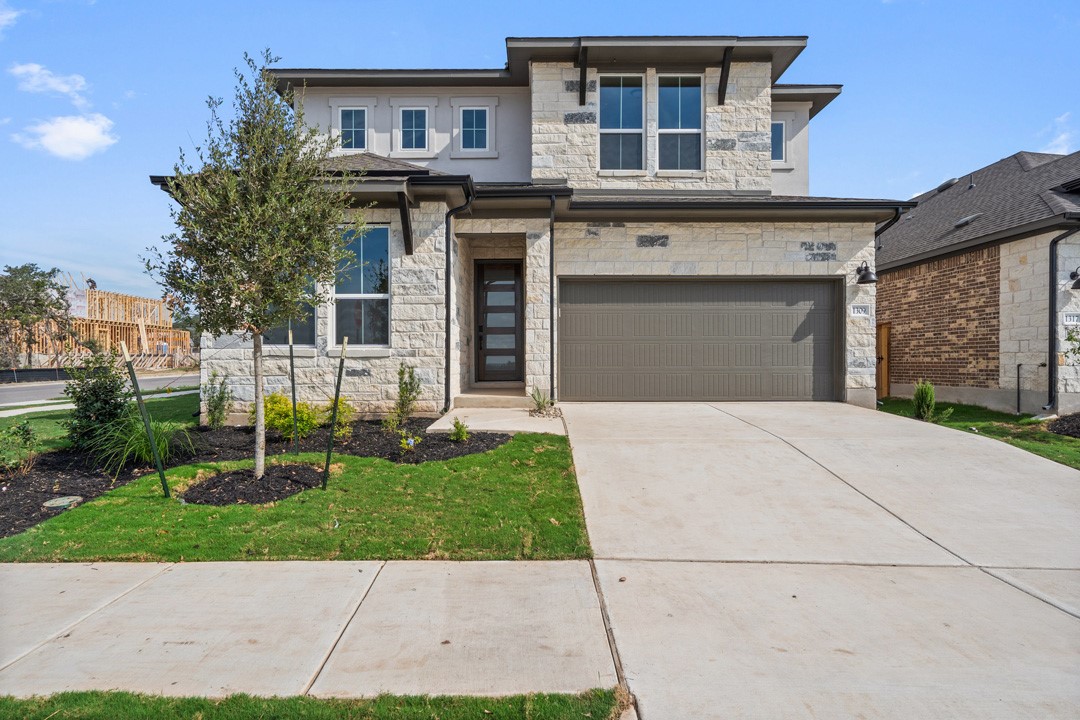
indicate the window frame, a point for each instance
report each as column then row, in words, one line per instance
column 415, row 102
column 621, row 131
column 461, row 128
column 700, row 131
column 783, row 160
column 401, row 128
column 341, row 128
column 488, row 103
column 337, row 104
column 332, row 341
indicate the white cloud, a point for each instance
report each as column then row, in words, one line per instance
column 39, row 79
column 1063, row 137
column 71, row 137
column 8, row 16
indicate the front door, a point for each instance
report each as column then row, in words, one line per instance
column 500, row 348
column 883, row 389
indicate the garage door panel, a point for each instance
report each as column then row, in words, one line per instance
column 697, row 340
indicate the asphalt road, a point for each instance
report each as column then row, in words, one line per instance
column 17, row 393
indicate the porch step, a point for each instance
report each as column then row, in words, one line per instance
column 491, row 398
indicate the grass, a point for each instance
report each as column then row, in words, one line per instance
column 597, row 704
column 517, row 502
column 1022, row 431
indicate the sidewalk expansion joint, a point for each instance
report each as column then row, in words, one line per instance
column 1037, row 595
column 68, row 628
column 612, row 647
column 344, row 627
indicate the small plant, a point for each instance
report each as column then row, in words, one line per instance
column 408, row 442
column 391, row 423
column 459, row 432
column 346, row 414
column 21, row 444
column 408, row 393
column 923, row 404
column 100, row 395
column 279, row 416
column 124, row 442
column 219, row 400
column 541, row 401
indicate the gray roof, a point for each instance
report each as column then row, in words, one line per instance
column 375, row 165
column 1015, row 195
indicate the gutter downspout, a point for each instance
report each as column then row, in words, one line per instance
column 470, row 195
column 1051, row 348
column 551, row 297
column 888, row 224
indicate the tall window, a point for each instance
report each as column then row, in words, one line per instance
column 414, row 129
column 362, row 292
column 474, row 129
column 679, row 123
column 778, row 141
column 354, row 128
column 621, row 128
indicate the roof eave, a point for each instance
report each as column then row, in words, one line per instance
column 818, row 96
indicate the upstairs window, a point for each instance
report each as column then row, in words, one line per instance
column 778, row 141
column 362, row 292
column 622, row 139
column 474, row 128
column 414, row 129
column 354, row 128
column 679, row 135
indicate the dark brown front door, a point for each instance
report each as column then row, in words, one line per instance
column 499, row 335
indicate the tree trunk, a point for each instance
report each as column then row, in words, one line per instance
column 260, row 408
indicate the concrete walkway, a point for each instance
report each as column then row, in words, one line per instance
column 501, row 420
column 342, row 629
column 821, row 560
column 49, row 407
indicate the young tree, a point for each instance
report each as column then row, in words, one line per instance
column 31, row 300
column 258, row 220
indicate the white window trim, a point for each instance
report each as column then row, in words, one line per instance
column 401, row 128
column 461, row 126
column 629, row 172
column 680, row 172
column 331, row 342
column 457, row 105
column 397, row 105
column 367, row 104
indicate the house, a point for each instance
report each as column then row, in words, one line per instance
column 976, row 290
column 603, row 219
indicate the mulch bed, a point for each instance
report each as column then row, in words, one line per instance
column 69, row 472
column 1066, row 425
column 241, row 487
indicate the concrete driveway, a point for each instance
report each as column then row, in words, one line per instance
column 822, row 560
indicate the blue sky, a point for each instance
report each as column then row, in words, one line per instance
column 96, row 96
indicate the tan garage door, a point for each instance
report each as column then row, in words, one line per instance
column 636, row 340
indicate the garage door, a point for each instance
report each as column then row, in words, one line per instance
column 636, row 340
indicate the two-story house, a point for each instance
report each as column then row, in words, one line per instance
column 604, row 219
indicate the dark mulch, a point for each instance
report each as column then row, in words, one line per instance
column 241, row 487
column 1066, row 425
column 70, row 472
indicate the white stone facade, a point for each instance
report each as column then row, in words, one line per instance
column 737, row 134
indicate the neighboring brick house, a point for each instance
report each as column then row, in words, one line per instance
column 626, row 218
column 966, row 282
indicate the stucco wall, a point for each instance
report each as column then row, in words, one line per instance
column 766, row 250
column 792, row 175
column 565, row 135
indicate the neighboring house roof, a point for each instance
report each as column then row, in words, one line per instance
column 1022, row 194
column 373, row 165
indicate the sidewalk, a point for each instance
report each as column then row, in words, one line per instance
column 48, row 406
column 333, row 629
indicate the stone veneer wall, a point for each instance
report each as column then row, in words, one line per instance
column 945, row 320
column 370, row 382
column 738, row 150
column 734, row 249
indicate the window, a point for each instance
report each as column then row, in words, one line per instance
column 354, row 128
column 621, row 112
column 474, row 129
column 303, row 330
column 414, row 129
column 778, row 139
column 679, row 123
column 362, row 292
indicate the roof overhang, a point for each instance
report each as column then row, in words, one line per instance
column 817, row 95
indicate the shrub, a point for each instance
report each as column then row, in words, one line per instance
column 124, row 442
column 541, row 401
column 459, row 432
column 219, row 400
column 391, row 422
column 346, row 414
column 100, row 395
column 923, row 403
column 20, row 447
column 409, row 442
column 279, row 416
column 408, row 393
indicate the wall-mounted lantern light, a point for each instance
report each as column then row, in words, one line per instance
column 866, row 276
column 1075, row 277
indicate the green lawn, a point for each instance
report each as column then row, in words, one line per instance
column 596, row 704
column 1020, row 430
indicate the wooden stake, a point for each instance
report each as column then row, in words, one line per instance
column 145, row 417
column 333, row 412
column 292, row 380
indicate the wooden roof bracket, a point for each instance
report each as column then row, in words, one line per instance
column 725, row 71
column 583, row 65
column 406, row 222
